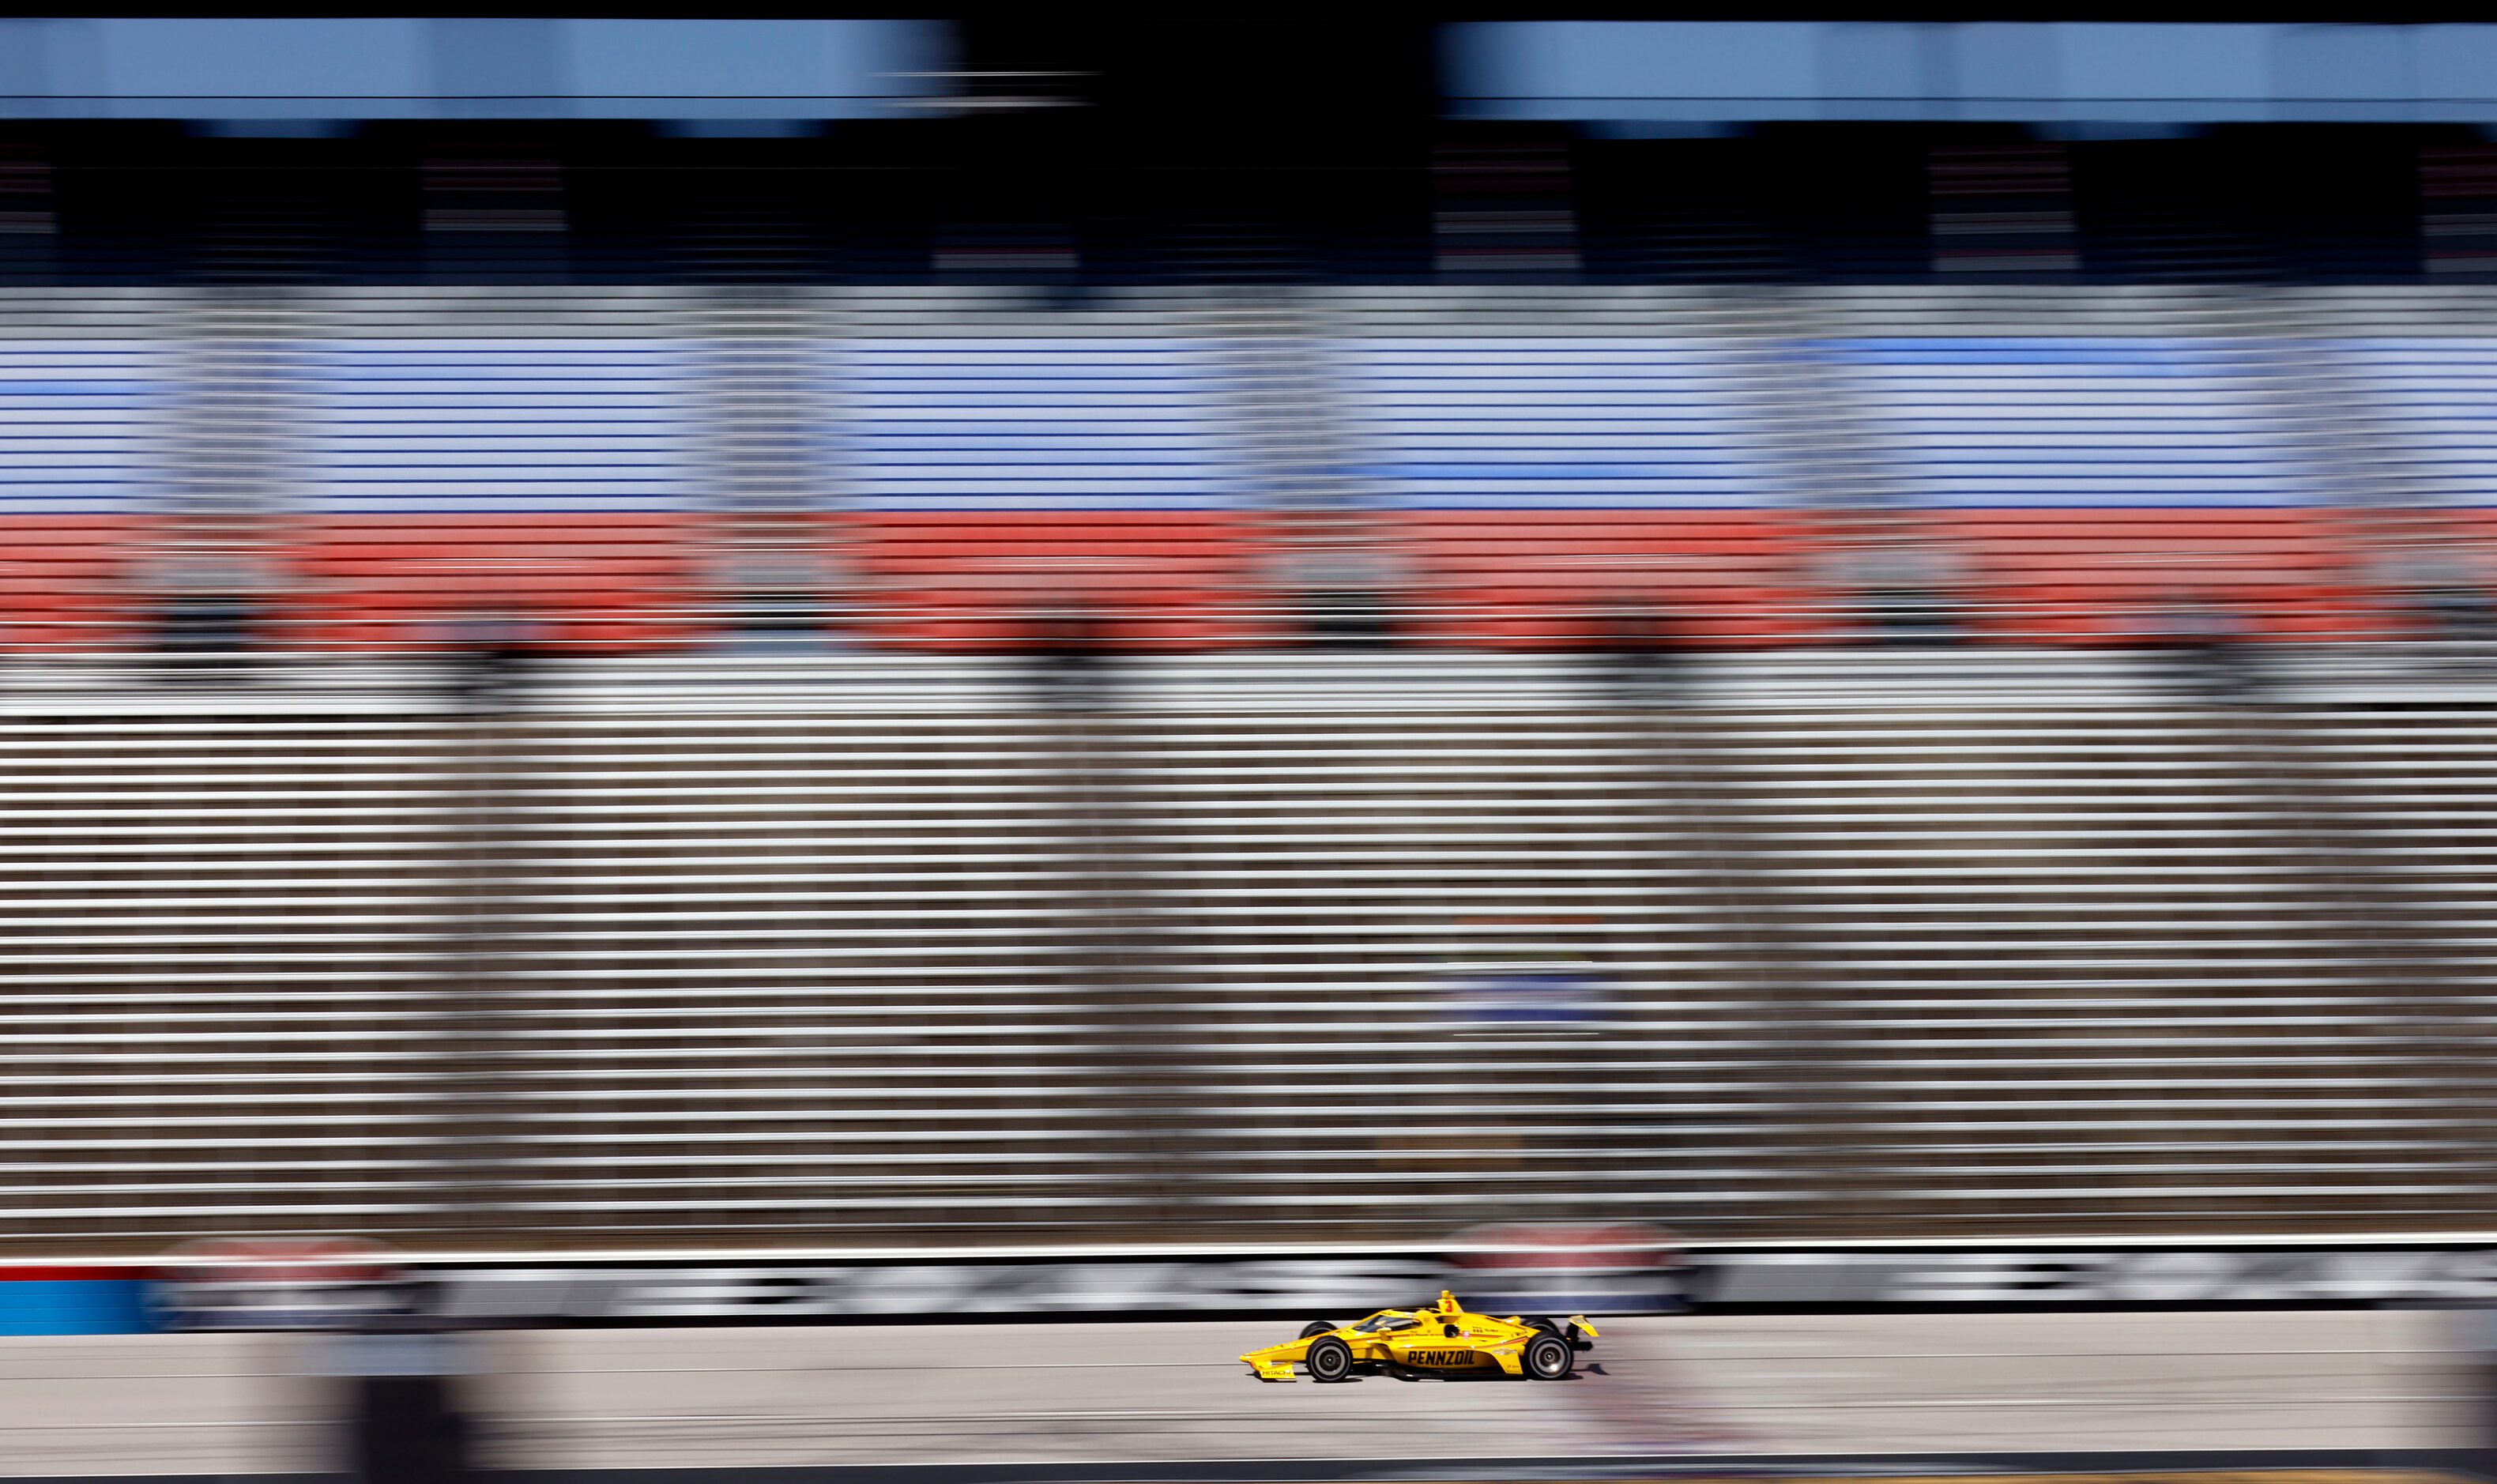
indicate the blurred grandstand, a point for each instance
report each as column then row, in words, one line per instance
column 998, row 719
column 1443, row 467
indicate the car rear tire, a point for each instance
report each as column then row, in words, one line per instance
column 1329, row 1360
column 1317, row 1327
column 1549, row 1358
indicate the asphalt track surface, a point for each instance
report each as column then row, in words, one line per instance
column 1169, row 1400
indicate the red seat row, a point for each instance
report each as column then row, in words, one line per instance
column 1207, row 579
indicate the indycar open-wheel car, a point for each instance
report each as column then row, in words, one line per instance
column 1445, row 1340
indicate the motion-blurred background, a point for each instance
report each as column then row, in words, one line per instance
column 1028, row 634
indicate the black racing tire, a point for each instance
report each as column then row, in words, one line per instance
column 1538, row 1322
column 1329, row 1360
column 1549, row 1358
column 1317, row 1327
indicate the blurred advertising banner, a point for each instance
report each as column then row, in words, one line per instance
column 2060, row 1277
column 277, row 1283
column 70, row 1298
column 798, row 1291
column 1596, row 1269
column 1592, row 1268
column 1524, row 1269
column 1526, row 996
column 1523, row 976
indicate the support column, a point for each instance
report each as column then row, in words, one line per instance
column 774, row 565
column 1123, row 977
column 2426, row 1012
column 483, row 991
column 1818, row 1111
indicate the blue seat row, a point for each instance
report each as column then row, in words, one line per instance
column 500, row 426
column 1137, row 422
column 79, row 425
column 1985, row 422
column 1059, row 423
column 1549, row 423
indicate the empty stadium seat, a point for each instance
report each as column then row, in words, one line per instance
column 80, row 421
column 977, row 461
column 555, row 475
column 2438, row 400
column 1536, row 477
column 1545, row 577
column 2092, row 481
column 65, row 583
column 995, row 476
column 1157, row 578
column 606, row 582
column 2047, row 575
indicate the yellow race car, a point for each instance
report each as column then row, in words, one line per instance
column 1445, row 1340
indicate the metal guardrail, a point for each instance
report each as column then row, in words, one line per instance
column 833, row 677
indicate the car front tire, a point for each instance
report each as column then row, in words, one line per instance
column 1549, row 1358
column 1329, row 1360
column 1317, row 1327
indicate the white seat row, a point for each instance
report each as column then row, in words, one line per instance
column 734, row 977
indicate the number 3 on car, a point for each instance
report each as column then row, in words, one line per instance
column 1444, row 1340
